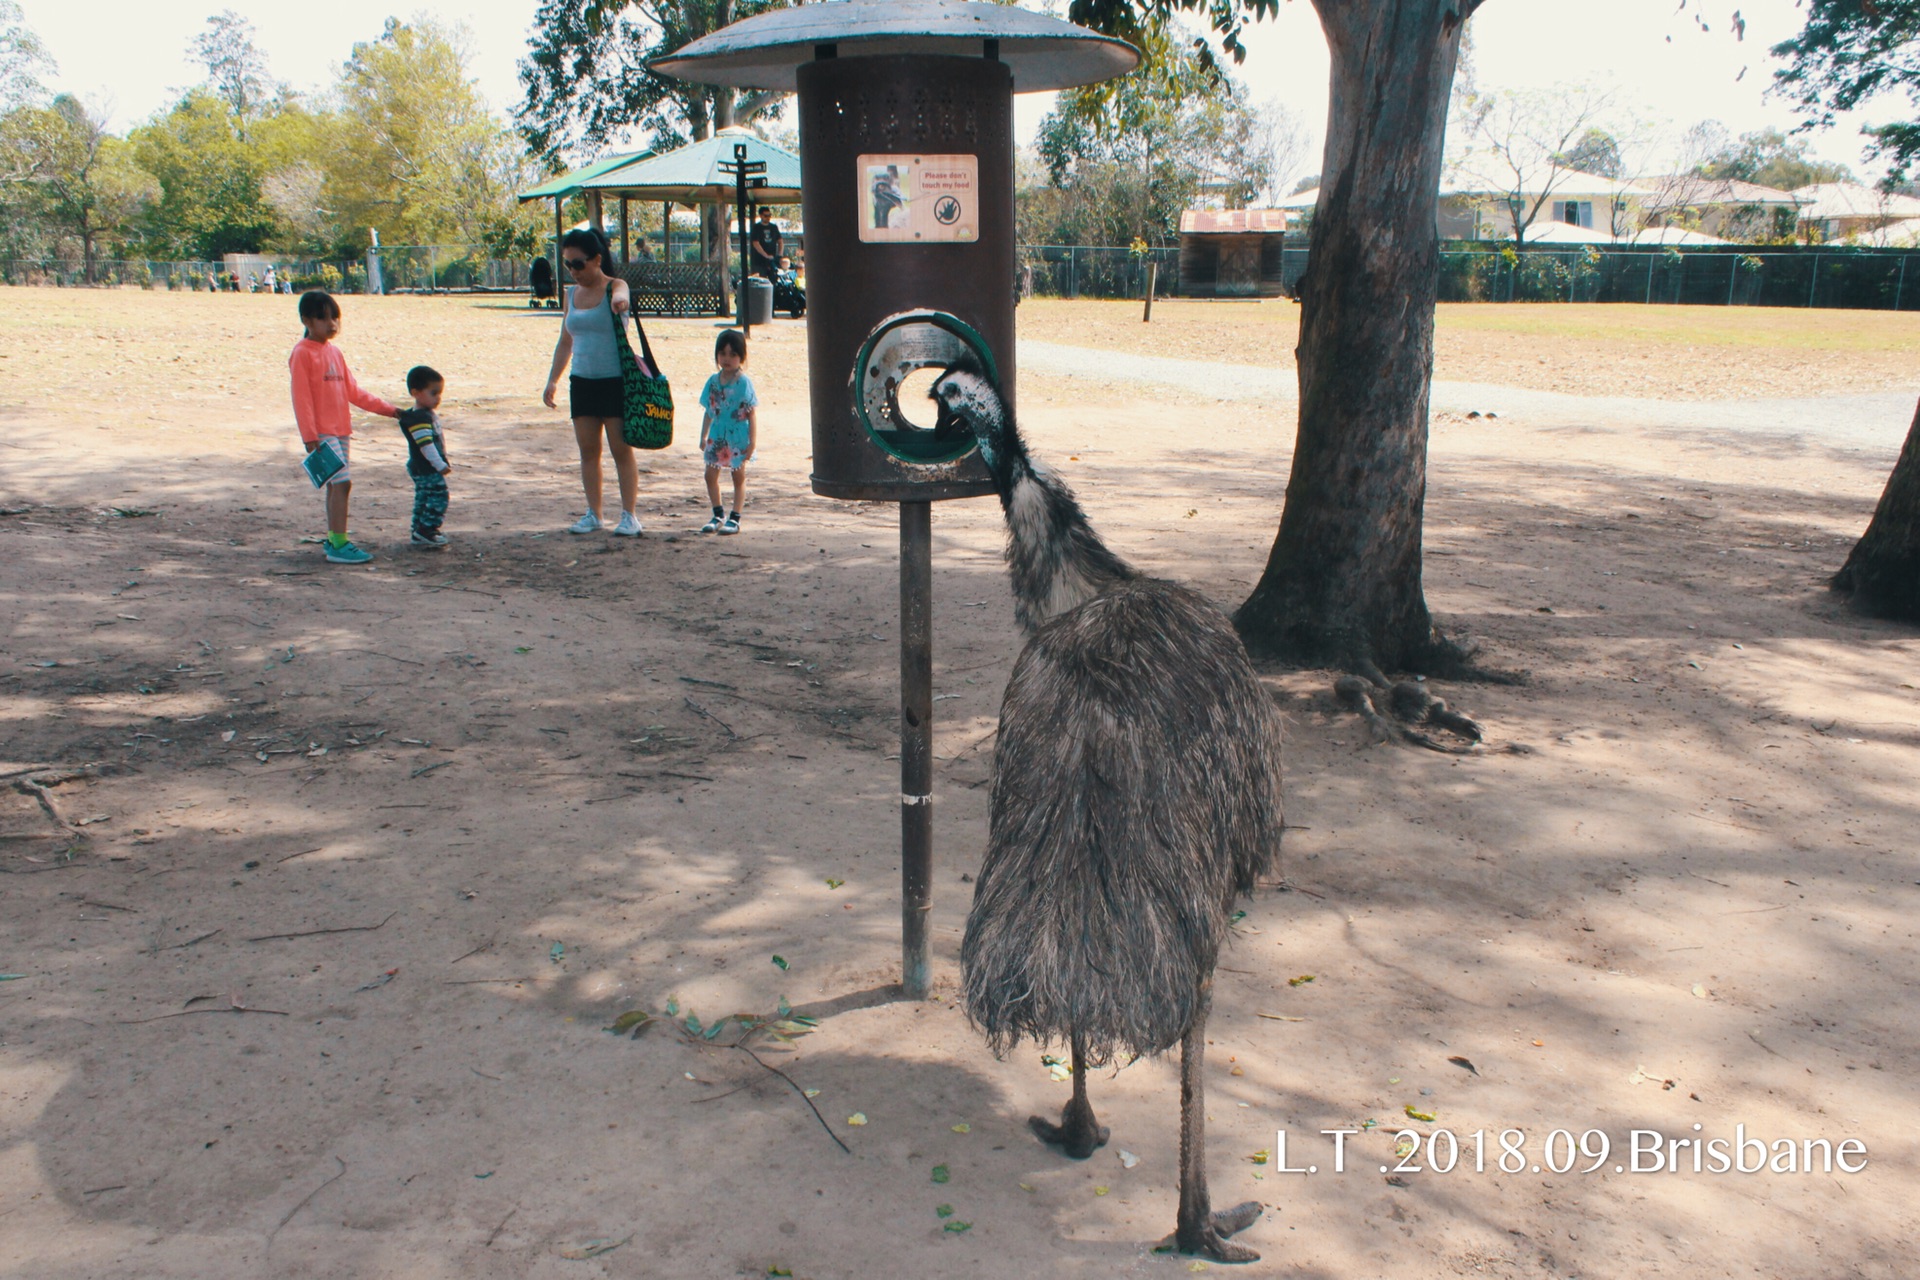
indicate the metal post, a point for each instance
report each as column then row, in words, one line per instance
column 1649, row 258
column 1733, row 271
column 626, row 241
column 1900, row 289
column 559, row 272
column 1813, row 281
column 916, row 747
column 1153, row 276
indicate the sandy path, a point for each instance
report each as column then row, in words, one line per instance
column 564, row 778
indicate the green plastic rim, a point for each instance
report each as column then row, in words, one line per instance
column 886, row 436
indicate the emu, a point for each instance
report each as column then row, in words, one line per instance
column 1135, row 798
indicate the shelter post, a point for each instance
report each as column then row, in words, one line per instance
column 626, row 243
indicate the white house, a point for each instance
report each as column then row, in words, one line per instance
column 1849, row 211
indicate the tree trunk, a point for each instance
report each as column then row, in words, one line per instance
column 1342, row 583
column 1882, row 574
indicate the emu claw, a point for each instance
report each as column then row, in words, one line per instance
column 1210, row 1239
column 1077, row 1136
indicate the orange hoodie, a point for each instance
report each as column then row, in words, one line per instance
column 323, row 386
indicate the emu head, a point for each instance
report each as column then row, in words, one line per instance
column 967, row 399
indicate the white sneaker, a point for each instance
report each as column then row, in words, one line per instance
column 585, row 524
column 629, row 526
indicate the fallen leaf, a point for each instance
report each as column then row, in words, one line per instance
column 1261, row 1156
column 1699, row 991
column 857, row 1119
column 811, row 1093
column 834, row 882
column 1423, row 1116
column 780, row 962
column 1100, row 1191
column 1464, row 1064
column 944, row 1210
column 1539, row 1044
column 1026, row 1186
column 1279, row 1017
column 1300, row 981
column 957, row 1227
column 1236, row 1072
column 963, row 1127
column 380, row 981
column 591, row 1249
column 630, row 1020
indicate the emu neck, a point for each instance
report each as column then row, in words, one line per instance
column 1056, row 561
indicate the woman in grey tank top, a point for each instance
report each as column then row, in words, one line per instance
column 595, row 391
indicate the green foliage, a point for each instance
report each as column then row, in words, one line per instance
column 412, row 150
column 1139, row 22
column 1849, row 53
column 1772, row 159
column 211, row 198
column 586, row 77
column 236, row 68
column 1124, row 159
column 23, row 60
column 69, row 176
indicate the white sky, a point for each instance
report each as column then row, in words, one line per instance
column 130, row 55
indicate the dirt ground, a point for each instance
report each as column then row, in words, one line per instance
column 338, row 877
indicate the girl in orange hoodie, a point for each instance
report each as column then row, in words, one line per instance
column 323, row 387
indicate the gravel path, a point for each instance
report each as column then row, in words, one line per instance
column 1875, row 421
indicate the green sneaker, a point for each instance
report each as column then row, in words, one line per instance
column 347, row 553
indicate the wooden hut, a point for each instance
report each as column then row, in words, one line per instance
column 1232, row 253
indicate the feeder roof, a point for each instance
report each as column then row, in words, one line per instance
column 762, row 52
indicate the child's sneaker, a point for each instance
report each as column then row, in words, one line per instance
column 732, row 524
column 346, row 553
column 713, row 525
column 629, row 526
column 429, row 539
column 585, row 524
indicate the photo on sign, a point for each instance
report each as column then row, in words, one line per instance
column 890, row 197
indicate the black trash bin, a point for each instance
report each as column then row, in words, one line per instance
column 759, row 300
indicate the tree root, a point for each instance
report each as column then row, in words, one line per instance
column 1402, row 712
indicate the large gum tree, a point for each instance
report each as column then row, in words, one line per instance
column 1342, row 584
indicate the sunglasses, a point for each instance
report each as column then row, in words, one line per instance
column 576, row 264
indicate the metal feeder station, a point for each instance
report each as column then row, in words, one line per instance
column 906, row 148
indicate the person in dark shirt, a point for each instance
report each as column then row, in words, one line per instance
column 766, row 246
column 426, row 456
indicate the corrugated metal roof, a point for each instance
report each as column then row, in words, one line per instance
column 690, row 175
column 1227, row 222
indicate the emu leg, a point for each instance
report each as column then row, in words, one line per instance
column 1200, row 1230
column 1078, row 1134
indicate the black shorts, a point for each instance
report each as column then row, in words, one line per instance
column 596, row 397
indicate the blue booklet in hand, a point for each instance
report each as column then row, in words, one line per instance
column 323, row 464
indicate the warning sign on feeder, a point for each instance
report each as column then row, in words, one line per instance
column 918, row 199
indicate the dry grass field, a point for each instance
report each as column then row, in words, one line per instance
column 321, row 887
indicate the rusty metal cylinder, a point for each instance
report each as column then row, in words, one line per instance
column 930, row 136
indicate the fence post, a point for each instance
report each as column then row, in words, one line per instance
column 1153, row 274
column 1649, row 258
column 1814, row 282
column 1900, row 289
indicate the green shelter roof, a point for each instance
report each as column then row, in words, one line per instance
column 691, row 175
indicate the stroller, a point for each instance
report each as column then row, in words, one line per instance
column 541, row 279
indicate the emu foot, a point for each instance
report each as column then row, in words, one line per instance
column 1208, row 1237
column 1077, row 1135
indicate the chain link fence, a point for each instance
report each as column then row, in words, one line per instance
column 1861, row 279
column 1773, row 276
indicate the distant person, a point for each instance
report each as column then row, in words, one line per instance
column 730, row 429
column 766, row 246
column 596, row 393
column 213, row 281
column 323, row 387
column 272, row 280
column 426, row 455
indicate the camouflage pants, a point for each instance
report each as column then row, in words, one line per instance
column 429, row 503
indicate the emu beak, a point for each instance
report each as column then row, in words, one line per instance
column 947, row 425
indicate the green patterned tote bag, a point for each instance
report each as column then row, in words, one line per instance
column 647, row 420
